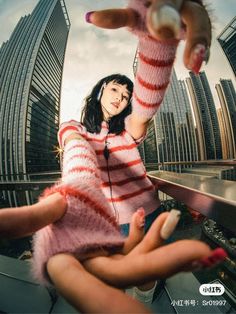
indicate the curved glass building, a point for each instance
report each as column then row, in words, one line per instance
column 227, row 41
column 31, row 67
column 227, row 97
column 208, row 132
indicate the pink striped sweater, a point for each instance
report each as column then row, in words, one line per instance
column 130, row 186
column 88, row 223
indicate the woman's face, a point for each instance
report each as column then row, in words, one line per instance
column 115, row 98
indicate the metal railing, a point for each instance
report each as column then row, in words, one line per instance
column 214, row 198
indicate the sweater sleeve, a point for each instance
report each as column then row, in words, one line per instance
column 155, row 62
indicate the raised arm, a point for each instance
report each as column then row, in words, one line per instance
column 157, row 24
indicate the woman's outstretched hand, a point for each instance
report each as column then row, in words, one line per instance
column 145, row 258
column 164, row 20
column 149, row 258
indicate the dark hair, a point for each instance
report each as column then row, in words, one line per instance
column 92, row 115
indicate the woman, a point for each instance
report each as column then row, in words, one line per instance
column 103, row 180
column 114, row 130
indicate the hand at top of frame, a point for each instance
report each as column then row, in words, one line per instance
column 164, row 20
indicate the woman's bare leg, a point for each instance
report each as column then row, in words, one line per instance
column 87, row 293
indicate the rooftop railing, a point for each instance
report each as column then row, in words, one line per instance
column 214, row 198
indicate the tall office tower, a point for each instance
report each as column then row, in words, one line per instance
column 227, row 96
column 191, row 142
column 31, row 66
column 213, row 114
column 227, row 41
column 223, row 134
column 208, row 133
column 171, row 136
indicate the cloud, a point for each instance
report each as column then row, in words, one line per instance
column 10, row 13
column 93, row 53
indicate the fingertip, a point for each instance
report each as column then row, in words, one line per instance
column 216, row 257
column 198, row 54
column 170, row 224
column 163, row 22
column 141, row 211
column 137, row 220
column 198, row 33
column 112, row 18
column 141, row 217
column 88, row 16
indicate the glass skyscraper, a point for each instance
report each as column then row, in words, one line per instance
column 227, row 96
column 227, row 41
column 171, row 136
column 31, row 67
column 208, row 132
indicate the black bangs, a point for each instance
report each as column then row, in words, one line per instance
column 123, row 81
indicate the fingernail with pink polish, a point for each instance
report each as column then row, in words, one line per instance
column 217, row 256
column 141, row 213
column 197, row 56
column 88, row 16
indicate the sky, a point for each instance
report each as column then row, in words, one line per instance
column 93, row 53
